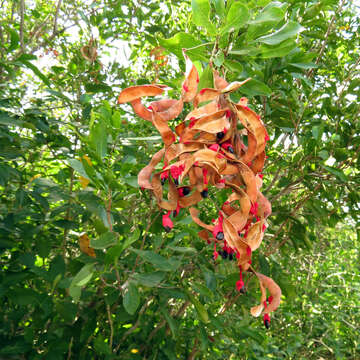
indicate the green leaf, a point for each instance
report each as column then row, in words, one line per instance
column 150, row 279
column 200, row 15
column 210, row 278
column 83, row 276
column 255, row 335
column 233, row 66
column 129, row 240
column 96, row 88
column 23, row 296
column 36, row 71
column 98, row 139
column 14, row 40
column 171, row 321
column 317, row 131
column 104, row 241
column 59, row 95
column 184, row 41
column 184, row 250
column 237, row 16
column 132, row 181
column 287, row 31
column 305, row 66
column 203, row 290
column 200, row 309
column 264, row 265
column 206, row 78
column 159, row 261
column 324, row 154
column 219, row 58
column 219, row 7
column 248, row 51
column 280, row 50
column 78, row 166
column 131, row 299
column 142, row 138
column 338, row 173
column 5, row 119
column 100, row 346
column 255, row 87
column 269, row 14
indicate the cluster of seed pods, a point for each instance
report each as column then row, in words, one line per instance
column 219, row 144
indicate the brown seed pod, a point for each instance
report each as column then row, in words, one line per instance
column 210, row 152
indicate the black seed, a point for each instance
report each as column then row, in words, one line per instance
column 243, row 290
column 163, row 181
column 220, row 135
column 224, row 254
column 204, row 194
column 167, row 228
column 230, row 257
column 176, row 182
column 230, row 149
column 220, row 235
column 175, row 213
column 267, row 323
column 186, row 191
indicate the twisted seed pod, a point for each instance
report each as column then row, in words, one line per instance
column 211, row 152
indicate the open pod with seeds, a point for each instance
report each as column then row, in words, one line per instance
column 207, row 149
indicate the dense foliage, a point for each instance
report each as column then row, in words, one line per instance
column 69, row 159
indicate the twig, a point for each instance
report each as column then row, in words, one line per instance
column 163, row 322
column 22, row 10
column 111, row 326
column 215, row 48
column 144, row 236
column 56, row 16
column 68, row 211
column 311, row 71
column 296, row 209
column 347, row 79
column 286, row 189
column 194, row 349
column 232, row 300
column 136, row 325
column 276, row 176
column 108, row 212
column 70, row 346
column 1, row 38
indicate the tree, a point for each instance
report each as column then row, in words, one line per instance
column 87, row 269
